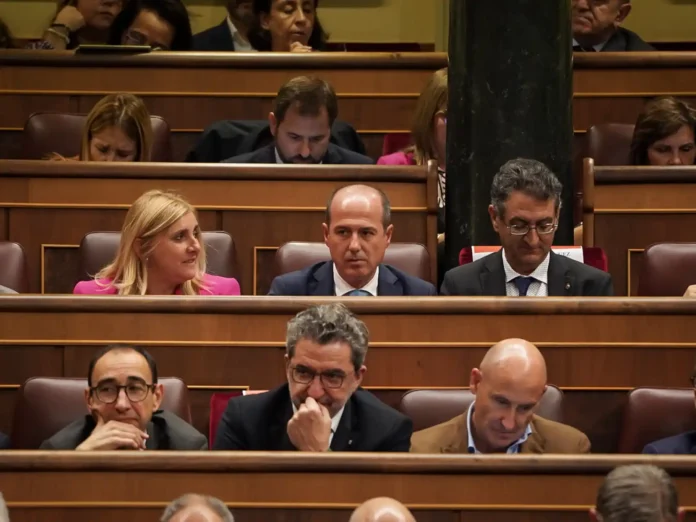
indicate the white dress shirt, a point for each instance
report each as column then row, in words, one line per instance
column 241, row 44
column 538, row 288
column 335, row 420
column 342, row 288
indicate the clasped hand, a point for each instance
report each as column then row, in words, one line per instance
column 310, row 428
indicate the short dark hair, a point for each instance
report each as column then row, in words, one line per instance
column 637, row 493
column 122, row 347
column 260, row 38
column 172, row 11
column 528, row 176
column 386, row 206
column 661, row 117
column 310, row 94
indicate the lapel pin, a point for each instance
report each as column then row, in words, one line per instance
column 567, row 287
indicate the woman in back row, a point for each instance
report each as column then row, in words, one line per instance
column 160, row 253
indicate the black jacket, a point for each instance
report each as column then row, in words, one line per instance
column 166, row 430
column 216, row 38
column 624, row 40
column 566, row 277
column 259, row 423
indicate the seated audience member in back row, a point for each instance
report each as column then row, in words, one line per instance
column 322, row 407
column 160, row 253
column 381, row 509
column 5, row 36
column 508, row 386
column 429, row 135
column 232, row 34
column 79, row 22
column 123, row 400
column 196, row 508
column 597, row 27
column 303, row 112
column 357, row 231
column 637, row 492
column 524, row 210
column 164, row 25
column 118, row 128
column 664, row 134
column 287, row 26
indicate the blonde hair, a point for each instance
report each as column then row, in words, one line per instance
column 126, row 111
column 148, row 217
column 433, row 100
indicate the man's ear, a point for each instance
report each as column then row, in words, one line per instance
column 493, row 214
column 624, row 11
column 474, row 380
column 88, row 399
column 325, row 230
column 359, row 375
column 273, row 123
column 158, row 394
column 388, row 233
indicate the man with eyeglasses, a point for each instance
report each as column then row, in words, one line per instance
column 321, row 408
column 123, row 399
column 524, row 210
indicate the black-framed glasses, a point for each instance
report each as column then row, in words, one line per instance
column 108, row 392
column 133, row 37
column 330, row 379
column 523, row 229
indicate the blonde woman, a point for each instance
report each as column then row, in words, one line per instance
column 118, row 128
column 160, row 253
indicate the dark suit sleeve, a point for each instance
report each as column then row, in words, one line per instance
column 400, row 437
column 650, row 449
column 601, row 285
column 230, row 430
column 607, row 287
column 278, row 287
column 432, row 290
column 448, row 285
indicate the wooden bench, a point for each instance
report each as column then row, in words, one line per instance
column 596, row 349
column 48, row 207
column 288, row 487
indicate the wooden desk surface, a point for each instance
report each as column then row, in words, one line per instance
column 293, row 487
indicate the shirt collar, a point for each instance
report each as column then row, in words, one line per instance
column 342, row 288
column 280, row 161
column 335, row 420
column 512, row 448
column 597, row 47
column 241, row 44
column 541, row 273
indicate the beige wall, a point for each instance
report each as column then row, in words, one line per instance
column 664, row 20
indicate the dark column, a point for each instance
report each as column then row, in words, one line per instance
column 510, row 96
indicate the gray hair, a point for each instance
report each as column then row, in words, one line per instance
column 330, row 323
column 215, row 505
column 525, row 175
column 637, row 493
column 4, row 514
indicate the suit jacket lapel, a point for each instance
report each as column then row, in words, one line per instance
column 322, row 282
column 388, row 284
column 460, row 441
column 493, row 275
column 345, row 438
column 278, row 431
column 561, row 281
column 224, row 36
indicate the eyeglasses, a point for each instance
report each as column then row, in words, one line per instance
column 302, row 375
column 523, row 229
column 133, row 37
column 108, row 393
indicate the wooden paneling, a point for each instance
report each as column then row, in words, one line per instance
column 626, row 209
column 596, row 349
column 284, row 487
column 56, row 204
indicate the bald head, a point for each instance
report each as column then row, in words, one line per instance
column 382, row 509
column 197, row 508
column 515, row 357
column 360, row 199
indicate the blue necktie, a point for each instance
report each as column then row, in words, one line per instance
column 359, row 293
column 522, row 284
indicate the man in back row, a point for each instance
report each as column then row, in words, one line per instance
column 597, row 27
column 524, row 211
column 358, row 230
column 303, row 112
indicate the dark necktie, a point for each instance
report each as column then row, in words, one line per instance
column 522, row 284
column 358, row 293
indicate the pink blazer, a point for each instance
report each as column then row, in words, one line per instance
column 216, row 286
column 397, row 158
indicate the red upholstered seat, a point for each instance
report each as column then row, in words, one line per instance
column 592, row 256
column 394, row 142
column 218, row 405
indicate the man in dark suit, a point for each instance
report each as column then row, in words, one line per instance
column 123, row 398
column 303, row 112
column 357, row 231
column 232, row 33
column 524, row 210
column 321, row 408
column 597, row 27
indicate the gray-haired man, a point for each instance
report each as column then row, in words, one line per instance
column 524, row 210
column 197, row 508
column 321, row 408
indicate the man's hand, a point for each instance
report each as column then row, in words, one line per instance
column 70, row 17
column 299, row 47
column 691, row 291
column 310, row 428
column 114, row 435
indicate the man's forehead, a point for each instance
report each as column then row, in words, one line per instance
column 121, row 364
column 319, row 356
